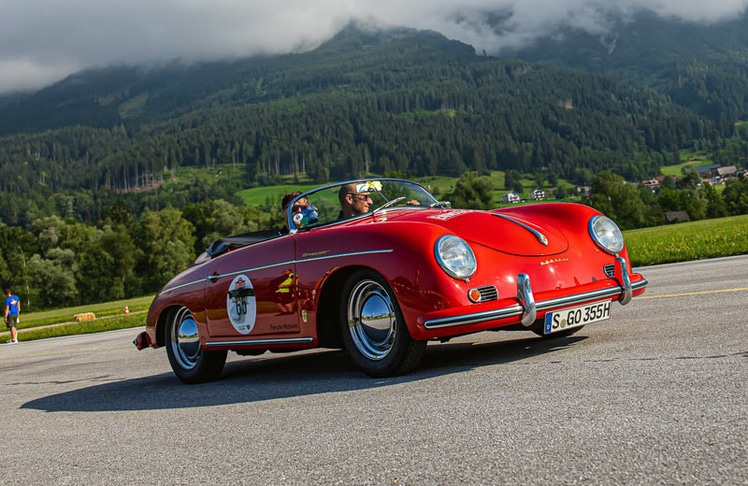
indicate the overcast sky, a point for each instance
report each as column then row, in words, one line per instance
column 42, row 41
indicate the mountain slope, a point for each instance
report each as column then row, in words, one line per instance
column 402, row 101
column 701, row 67
column 354, row 61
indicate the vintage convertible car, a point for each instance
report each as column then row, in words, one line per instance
column 383, row 283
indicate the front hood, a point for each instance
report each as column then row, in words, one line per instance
column 505, row 233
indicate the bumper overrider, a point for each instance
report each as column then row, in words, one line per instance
column 527, row 307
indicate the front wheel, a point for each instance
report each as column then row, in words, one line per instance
column 190, row 362
column 373, row 328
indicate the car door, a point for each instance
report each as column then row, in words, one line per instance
column 251, row 292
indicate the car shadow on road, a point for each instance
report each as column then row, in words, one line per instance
column 275, row 376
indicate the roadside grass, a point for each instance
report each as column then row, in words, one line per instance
column 696, row 240
column 109, row 323
column 60, row 322
column 105, row 309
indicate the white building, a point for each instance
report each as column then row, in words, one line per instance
column 511, row 197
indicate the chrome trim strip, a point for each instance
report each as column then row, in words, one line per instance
column 540, row 236
column 279, row 264
column 181, row 286
column 258, row 342
column 343, row 255
column 518, row 310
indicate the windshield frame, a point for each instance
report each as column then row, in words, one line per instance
column 420, row 198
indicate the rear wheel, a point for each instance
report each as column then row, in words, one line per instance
column 190, row 362
column 373, row 329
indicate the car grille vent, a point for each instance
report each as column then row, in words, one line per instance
column 488, row 292
column 610, row 270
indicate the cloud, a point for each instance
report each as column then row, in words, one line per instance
column 42, row 41
column 25, row 74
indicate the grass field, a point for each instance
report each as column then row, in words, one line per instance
column 439, row 186
column 260, row 195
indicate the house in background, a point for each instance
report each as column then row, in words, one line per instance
column 652, row 184
column 729, row 171
column 708, row 170
column 511, row 197
column 537, row 194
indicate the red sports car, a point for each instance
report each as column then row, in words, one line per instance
column 379, row 268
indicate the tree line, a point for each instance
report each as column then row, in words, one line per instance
column 58, row 262
column 630, row 205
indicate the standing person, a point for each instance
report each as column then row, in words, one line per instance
column 12, row 309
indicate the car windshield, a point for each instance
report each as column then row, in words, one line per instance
column 323, row 205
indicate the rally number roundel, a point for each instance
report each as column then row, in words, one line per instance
column 241, row 304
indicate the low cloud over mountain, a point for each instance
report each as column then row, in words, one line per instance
column 40, row 45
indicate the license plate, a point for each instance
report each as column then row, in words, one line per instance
column 576, row 316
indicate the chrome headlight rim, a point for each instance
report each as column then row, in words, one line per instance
column 606, row 234
column 461, row 265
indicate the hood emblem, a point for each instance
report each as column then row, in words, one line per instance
column 540, row 236
column 554, row 260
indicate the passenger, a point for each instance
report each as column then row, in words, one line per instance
column 298, row 207
column 353, row 202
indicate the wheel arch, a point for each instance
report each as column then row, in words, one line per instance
column 163, row 319
column 329, row 301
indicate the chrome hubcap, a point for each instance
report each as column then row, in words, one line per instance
column 371, row 319
column 184, row 340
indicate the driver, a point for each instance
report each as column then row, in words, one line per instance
column 353, row 202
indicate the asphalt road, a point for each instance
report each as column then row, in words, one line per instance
column 656, row 395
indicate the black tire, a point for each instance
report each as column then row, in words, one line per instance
column 190, row 362
column 373, row 329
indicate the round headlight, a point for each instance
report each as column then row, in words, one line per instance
column 606, row 234
column 455, row 256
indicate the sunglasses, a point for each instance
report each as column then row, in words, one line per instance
column 297, row 208
column 363, row 196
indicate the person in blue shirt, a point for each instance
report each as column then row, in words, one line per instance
column 12, row 309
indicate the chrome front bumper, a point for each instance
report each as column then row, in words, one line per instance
column 527, row 308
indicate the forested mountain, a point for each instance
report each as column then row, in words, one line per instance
column 354, row 62
column 402, row 101
column 701, row 67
